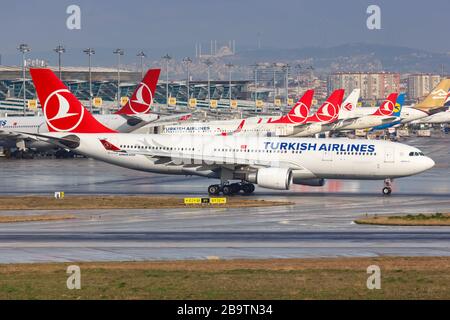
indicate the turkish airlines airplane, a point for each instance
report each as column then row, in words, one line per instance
column 135, row 114
column 252, row 125
column 269, row 162
column 359, row 119
column 296, row 123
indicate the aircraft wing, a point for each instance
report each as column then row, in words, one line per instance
column 298, row 128
column 389, row 119
column 174, row 117
column 7, row 134
column 134, row 120
column 71, row 141
column 345, row 122
column 211, row 161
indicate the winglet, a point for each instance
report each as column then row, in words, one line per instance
column 238, row 129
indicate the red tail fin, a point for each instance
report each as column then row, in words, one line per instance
column 387, row 107
column 62, row 110
column 142, row 98
column 329, row 111
column 299, row 112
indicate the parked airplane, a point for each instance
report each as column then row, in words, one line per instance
column 296, row 123
column 270, row 162
column 440, row 117
column 135, row 114
column 434, row 102
column 359, row 119
column 254, row 125
column 396, row 113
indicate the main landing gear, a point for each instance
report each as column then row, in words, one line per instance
column 387, row 190
column 231, row 189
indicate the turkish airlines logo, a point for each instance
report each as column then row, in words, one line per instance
column 299, row 114
column 60, row 114
column 349, row 106
column 387, row 108
column 143, row 100
column 327, row 112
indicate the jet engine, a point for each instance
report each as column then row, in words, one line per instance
column 272, row 178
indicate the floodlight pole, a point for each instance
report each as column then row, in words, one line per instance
column 167, row 58
column 119, row 53
column 24, row 48
column 90, row 52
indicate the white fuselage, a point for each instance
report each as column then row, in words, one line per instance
column 308, row 157
column 364, row 118
column 440, row 117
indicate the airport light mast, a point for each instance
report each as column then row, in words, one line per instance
column 187, row 61
column 299, row 68
column 119, row 53
column 256, row 65
column 167, row 58
column 274, row 66
column 90, row 52
column 209, row 63
column 286, row 81
column 230, row 66
column 59, row 50
column 24, row 48
column 142, row 55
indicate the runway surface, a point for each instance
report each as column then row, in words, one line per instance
column 318, row 224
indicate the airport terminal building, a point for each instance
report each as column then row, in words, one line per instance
column 104, row 85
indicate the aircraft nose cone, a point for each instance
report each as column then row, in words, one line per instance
column 429, row 163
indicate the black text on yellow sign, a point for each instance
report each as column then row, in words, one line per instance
column 205, row 200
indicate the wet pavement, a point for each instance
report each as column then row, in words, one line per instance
column 318, row 224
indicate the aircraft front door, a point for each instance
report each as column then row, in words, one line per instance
column 327, row 156
column 389, row 155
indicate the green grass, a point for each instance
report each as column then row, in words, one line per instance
column 435, row 219
column 402, row 278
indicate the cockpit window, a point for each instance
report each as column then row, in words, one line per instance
column 415, row 154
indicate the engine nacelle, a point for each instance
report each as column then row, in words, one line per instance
column 272, row 178
column 309, row 182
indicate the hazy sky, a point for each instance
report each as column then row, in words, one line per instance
column 168, row 25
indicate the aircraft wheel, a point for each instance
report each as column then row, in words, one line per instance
column 248, row 188
column 235, row 187
column 214, row 189
column 227, row 190
column 387, row 191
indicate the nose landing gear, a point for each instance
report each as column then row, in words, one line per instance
column 231, row 189
column 387, row 190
